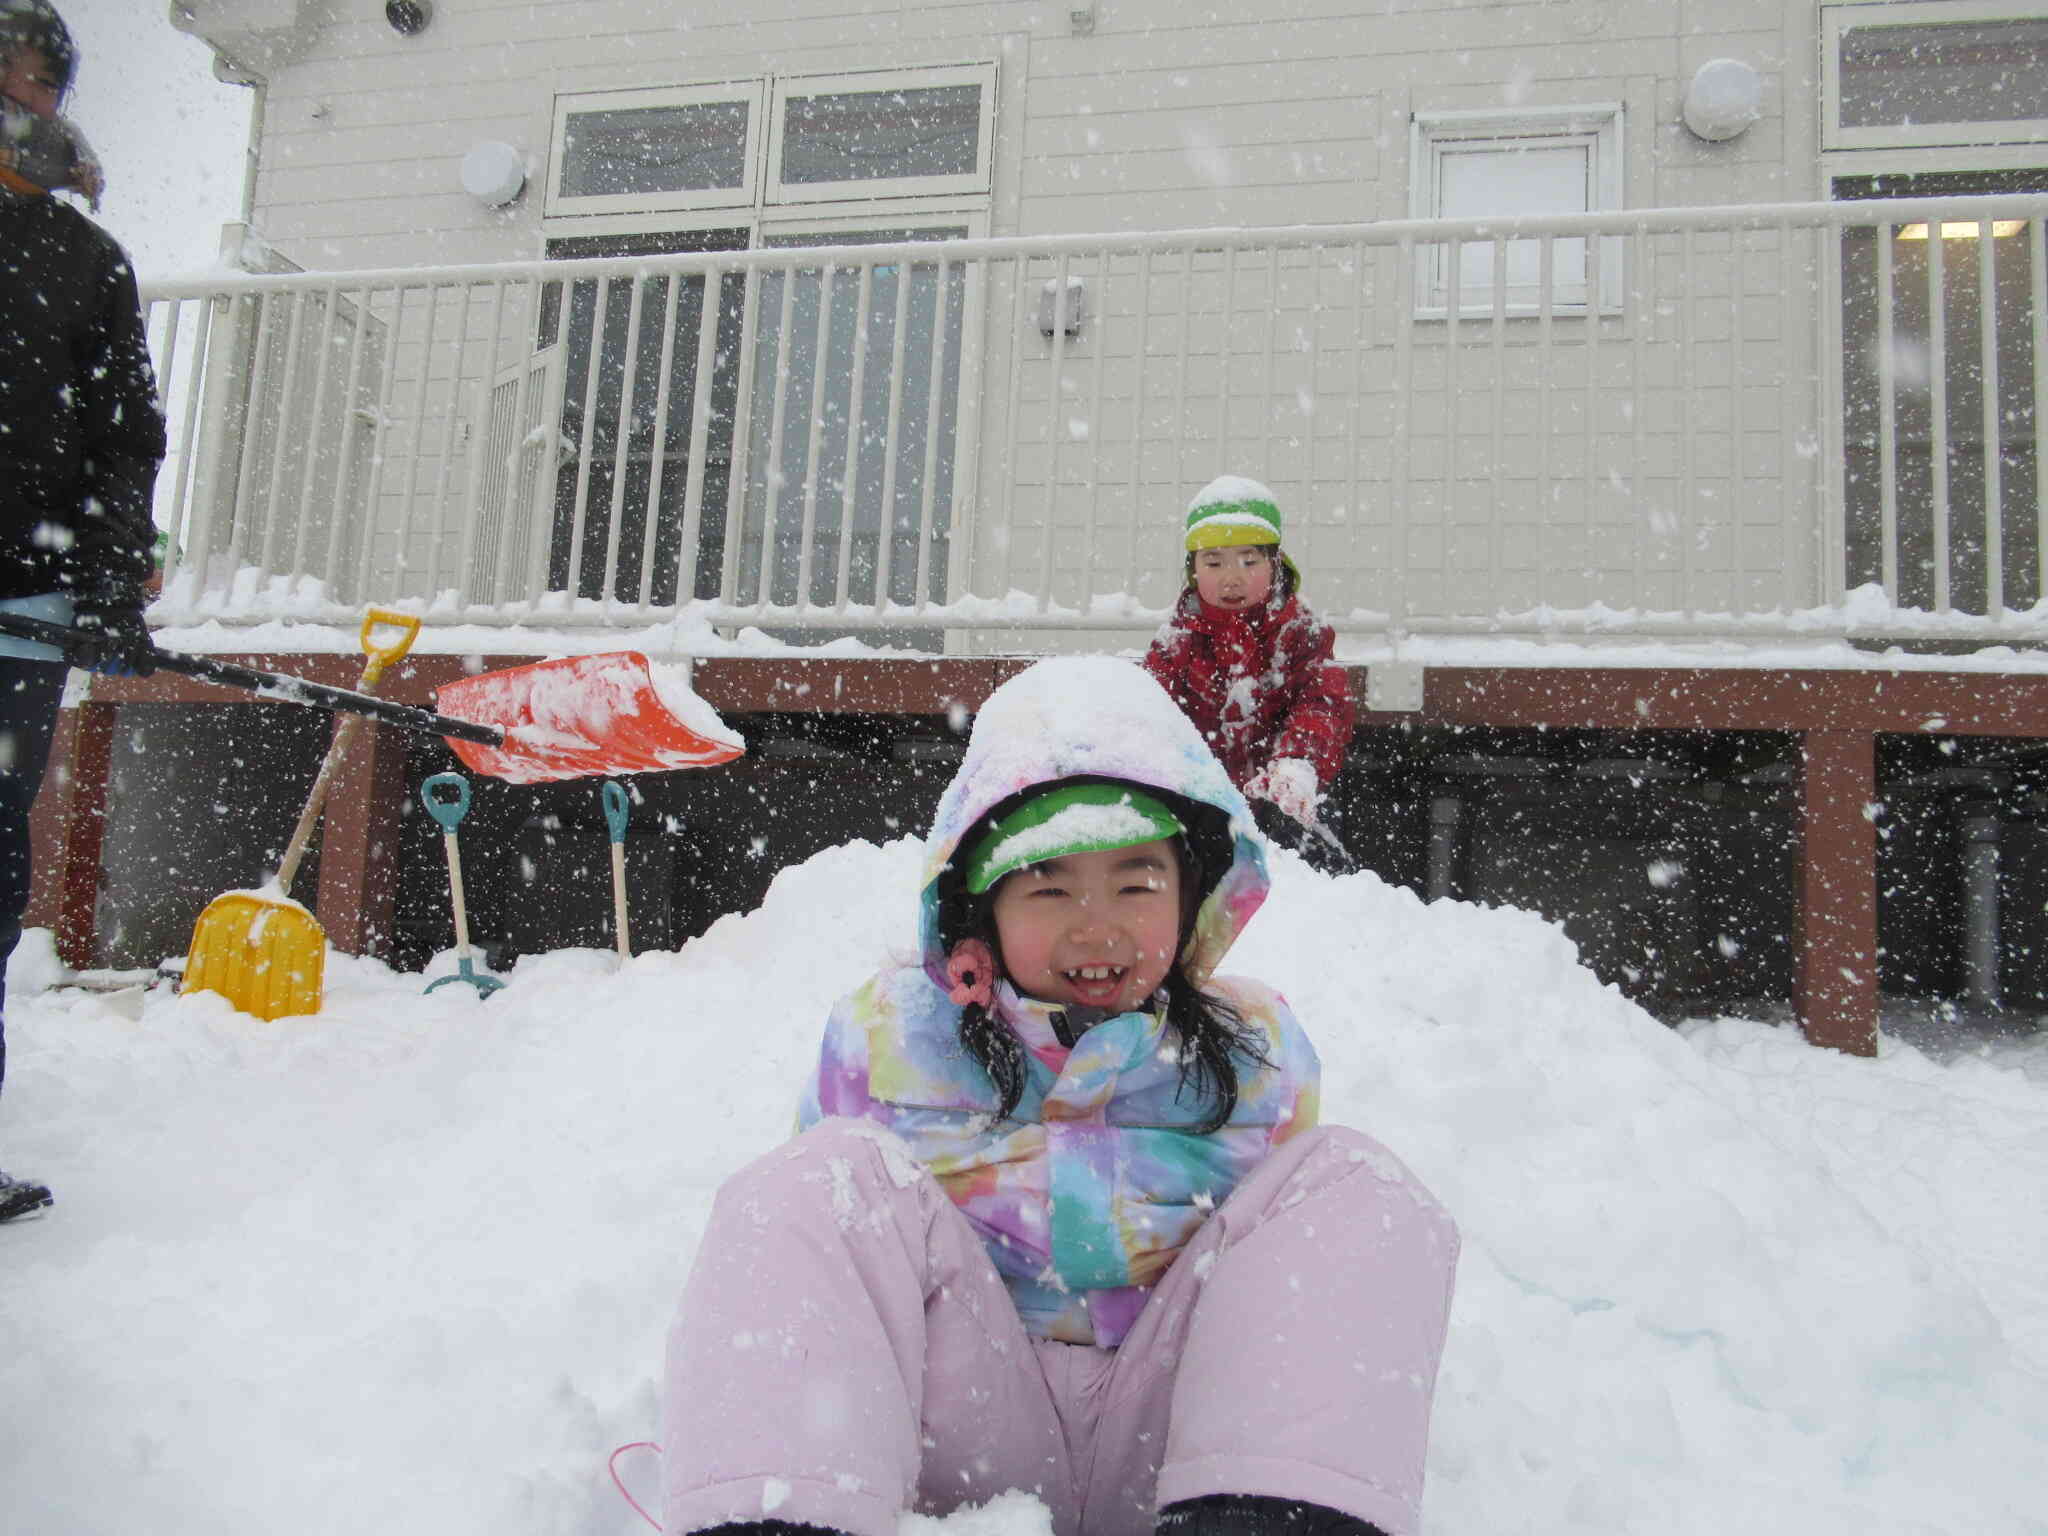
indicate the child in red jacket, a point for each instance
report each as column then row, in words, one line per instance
column 1249, row 663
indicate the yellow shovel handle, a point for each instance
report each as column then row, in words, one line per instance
column 382, row 656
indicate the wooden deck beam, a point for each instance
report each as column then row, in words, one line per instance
column 358, row 895
column 1834, row 967
column 1622, row 698
column 67, row 828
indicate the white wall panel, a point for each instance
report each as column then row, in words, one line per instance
column 1275, row 113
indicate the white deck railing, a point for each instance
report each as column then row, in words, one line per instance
column 1753, row 420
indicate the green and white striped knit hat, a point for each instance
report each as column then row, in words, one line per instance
column 1232, row 510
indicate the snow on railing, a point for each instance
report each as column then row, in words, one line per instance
column 1747, row 421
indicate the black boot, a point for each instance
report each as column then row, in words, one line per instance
column 20, row 1196
column 1253, row 1514
column 767, row 1528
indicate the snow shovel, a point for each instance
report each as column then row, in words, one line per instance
column 571, row 718
column 585, row 715
column 446, row 797
column 616, row 810
column 261, row 950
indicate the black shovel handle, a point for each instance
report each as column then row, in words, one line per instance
column 273, row 685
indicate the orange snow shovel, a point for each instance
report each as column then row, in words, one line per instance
column 574, row 717
column 261, row 950
column 585, row 716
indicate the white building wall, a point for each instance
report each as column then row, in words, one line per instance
column 1167, row 116
column 1265, row 113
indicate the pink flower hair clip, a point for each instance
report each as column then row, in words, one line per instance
column 971, row 967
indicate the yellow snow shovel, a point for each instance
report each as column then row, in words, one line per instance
column 261, row 950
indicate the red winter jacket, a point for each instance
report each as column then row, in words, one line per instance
column 1259, row 684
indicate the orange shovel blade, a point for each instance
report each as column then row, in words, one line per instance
column 586, row 716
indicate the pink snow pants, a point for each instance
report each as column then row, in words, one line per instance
column 845, row 1351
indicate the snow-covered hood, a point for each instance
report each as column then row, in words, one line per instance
column 1095, row 716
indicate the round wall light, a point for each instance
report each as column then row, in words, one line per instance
column 409, row 18
column 1724, row 98
column 493, row 173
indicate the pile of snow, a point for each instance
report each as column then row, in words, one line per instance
column 405, row 1267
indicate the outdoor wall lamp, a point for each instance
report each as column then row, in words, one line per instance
column 409, row 18
column 1724, row 98
column 494, row 173
column 1050, row 316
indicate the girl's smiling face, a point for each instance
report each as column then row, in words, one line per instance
column 1237, row 576
column 1092, row 930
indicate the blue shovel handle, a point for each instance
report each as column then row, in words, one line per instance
column 616, row 809
column 446, row 809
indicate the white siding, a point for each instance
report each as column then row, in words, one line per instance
column 1274, row 111
column 1171, row 115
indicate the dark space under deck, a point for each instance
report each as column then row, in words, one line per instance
column 1709, row 837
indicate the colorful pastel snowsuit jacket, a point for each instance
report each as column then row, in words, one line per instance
column 1089, row 1190
column 1259, row 684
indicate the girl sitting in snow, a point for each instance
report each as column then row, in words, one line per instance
column 1061, row 1219
column 1251, row 665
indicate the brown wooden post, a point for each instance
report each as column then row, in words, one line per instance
column 1834, row 969
column 72, row 811
column 46, row 827
column 358, row 894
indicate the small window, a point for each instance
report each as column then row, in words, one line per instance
column 646, row 151
column 1490, row 164
column 899, row 133
column 1934, row 72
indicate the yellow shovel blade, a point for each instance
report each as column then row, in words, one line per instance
column 266, row 957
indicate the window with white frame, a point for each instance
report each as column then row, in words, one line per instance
column 799, row 139
column 852, row 158
column 1911, row 73
column 681, row 148
column 891, row 345
column 898, row 133
column 1525, row 163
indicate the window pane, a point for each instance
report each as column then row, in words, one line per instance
column 881, row 135
column 1888, row 369
column 1497, row 179
column 1945, row 72
column 649, row 537
column 691, row 148
column 866, row 492
column 1483, row 182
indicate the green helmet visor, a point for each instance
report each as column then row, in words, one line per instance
column 1071, row 818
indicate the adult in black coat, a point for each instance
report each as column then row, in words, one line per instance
column 81, row 437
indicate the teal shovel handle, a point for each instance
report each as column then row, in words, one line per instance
column 447, row 809
column 616, row 809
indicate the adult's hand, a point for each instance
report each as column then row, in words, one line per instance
column 111, row 637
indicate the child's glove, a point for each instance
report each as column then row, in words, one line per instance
column 1290, row 783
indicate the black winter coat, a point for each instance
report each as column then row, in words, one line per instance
column 80, row 432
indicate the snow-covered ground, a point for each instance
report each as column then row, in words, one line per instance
column 404, row 1267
